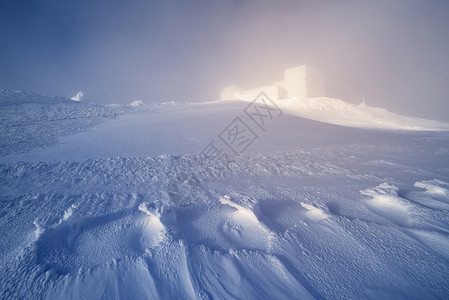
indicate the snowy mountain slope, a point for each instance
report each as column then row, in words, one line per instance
column 30, row 120
column 335, row 111
column 187, row 128
column 309, row 211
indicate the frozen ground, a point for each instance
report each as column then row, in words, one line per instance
column 124, row 209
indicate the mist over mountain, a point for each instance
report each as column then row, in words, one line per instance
column 391, row 53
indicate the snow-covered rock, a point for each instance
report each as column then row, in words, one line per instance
column 137, row 103
column 78, row 96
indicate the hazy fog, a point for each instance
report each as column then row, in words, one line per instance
column 395, row 53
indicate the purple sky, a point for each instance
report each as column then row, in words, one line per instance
column 395, row 53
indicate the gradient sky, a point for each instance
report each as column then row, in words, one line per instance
column 395, row 53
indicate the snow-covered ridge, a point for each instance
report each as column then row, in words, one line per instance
column 14, row 97
column 339, row 112
column 31, row 120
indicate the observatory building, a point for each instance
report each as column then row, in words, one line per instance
column 299, row 82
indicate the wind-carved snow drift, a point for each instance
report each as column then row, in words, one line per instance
column 301, row 93
column 310, row 211
column 339, row 112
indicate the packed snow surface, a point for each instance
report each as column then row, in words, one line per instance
column 115, row 202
